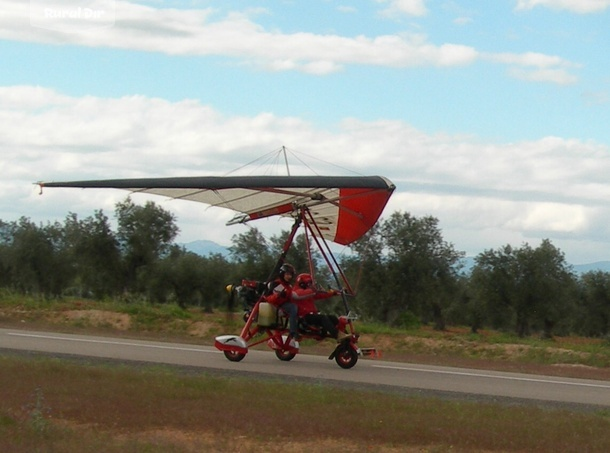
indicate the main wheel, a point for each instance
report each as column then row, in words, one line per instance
column 284, row 356
column 234, row 356
column 346, row 357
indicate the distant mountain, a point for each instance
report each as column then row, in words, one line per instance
column 467, row 265
column 603, row 266
column 204, row 248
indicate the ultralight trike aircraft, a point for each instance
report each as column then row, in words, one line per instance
column 340, row 209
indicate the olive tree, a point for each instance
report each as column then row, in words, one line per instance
column 408, row 269
column 145, row 235
column 525, row 288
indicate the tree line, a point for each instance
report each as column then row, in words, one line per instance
column 404, row 272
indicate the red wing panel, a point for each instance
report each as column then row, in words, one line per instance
column 278, row 210
column 358, row 212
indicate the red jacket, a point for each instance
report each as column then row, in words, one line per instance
column 280, row 294
column 305, row 299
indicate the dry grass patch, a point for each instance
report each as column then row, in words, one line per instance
column 93, row 318
column 158, row 409
column 200, row 328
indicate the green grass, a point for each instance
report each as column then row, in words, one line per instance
column 56, row 405
column 492, row 345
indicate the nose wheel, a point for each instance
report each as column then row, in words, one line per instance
column 234, row 356
column 284, row 356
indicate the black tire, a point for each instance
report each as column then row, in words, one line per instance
column 246, row 316
column 346, row 357
column 284, row 356
column 234, row 356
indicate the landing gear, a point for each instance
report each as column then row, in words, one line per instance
column 345, row 356
column 234, row 356
column 284, row 356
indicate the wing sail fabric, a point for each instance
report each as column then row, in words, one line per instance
column 343, row 207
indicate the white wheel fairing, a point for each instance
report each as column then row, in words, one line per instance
column 233, row 343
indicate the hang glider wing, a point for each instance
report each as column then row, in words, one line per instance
column 343, row 207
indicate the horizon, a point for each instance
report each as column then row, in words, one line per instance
column 603, row 265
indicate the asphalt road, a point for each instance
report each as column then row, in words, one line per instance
column 404, row 377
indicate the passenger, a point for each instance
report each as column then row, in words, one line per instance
column 305, row 295
column 281, row 297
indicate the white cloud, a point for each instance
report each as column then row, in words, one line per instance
column 408, row 7
column 576, row 6
column 531, row 59
column 536, row 67
column 197, row 32
column 557, row 76
column 592, row 98
column 487, row 212
column 346, row 9
column 485, row 195
column 463, row 20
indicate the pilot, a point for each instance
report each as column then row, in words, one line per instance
column 305, row 295
column 281, row 296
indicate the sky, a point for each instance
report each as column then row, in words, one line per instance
column 491, row 116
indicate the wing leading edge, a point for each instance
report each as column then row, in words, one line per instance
column 343, row 207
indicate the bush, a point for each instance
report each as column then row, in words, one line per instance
column 408, row 321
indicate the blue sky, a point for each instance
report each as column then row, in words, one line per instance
column 491, row 116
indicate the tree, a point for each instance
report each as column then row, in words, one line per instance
column 594, row 304
column 251, row 252
column 366, row 270
column 189, row 279
column 34, row 258
column 145, row 234
column 179, row 274
column 528, row 288
column 6, row 239
column 94, row 253
column 553, row 288
column 408, row 269
column 216, row 275
column 492, row 288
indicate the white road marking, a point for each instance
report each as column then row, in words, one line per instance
column 490, row 376
column 122, row 343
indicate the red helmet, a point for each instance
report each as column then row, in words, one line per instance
column 304, row 280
